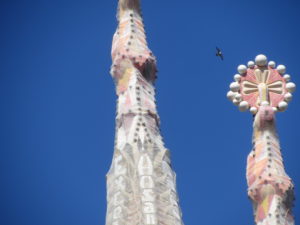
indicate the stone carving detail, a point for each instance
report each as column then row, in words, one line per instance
column 261, row 83
column 141, row 187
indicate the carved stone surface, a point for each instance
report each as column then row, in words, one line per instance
column 262, row 84
column 269, row 187
column 141, row 186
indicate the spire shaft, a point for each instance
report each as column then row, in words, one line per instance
column 269, row 187
column 141, row 187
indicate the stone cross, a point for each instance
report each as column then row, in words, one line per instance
column 265, row 90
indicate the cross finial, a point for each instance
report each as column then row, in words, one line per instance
column 261, row 84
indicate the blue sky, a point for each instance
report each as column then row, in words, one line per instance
column 58, row 104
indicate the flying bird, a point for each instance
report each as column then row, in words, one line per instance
column 219, row 53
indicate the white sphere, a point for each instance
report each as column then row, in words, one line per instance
column 272, row 64
column 237, row 77
column 291, row 87
column 261, row 60
column 243, row 106
column 242, row 69
column 235, row 102
column 282, row 106
column 234, row 86
column 264, row 103
column 281, row 69
column 288, row 97
column 238, row 97
column 251, row 64
column 253, row 110
column 287, row 77
column 231, row 95
column 275, row 109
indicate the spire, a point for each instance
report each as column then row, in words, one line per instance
column 129, row 48
column 265, row 90
column 141, row 185
column 125, row 5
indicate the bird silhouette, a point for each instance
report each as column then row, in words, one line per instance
column 219, row 53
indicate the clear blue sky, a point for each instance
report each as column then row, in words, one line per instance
column 58, row 104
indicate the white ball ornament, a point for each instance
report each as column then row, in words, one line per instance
column 275, row 109
column 287, row 77
column 242, row 69
column 288, row 97
column 237, row 77
column 251, row 64
column 272, row 64
column 234, row 86
column 235, row 102
column 282, row 106
column 243, row 106
column 291, row 87
column 238, row 97
column 253, row 110
column 231, row 95
column 281, row 69
column 261, row 60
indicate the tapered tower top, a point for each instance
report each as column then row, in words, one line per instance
column 124, row 5
column 130, row 47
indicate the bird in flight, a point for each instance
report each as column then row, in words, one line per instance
column 219, row 53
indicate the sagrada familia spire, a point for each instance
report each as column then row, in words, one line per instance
column 264, row 90
column 141, row 187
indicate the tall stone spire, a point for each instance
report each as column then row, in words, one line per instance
column 265, row 90
column 141, row 187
